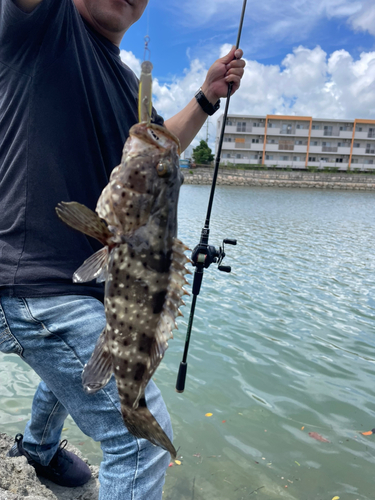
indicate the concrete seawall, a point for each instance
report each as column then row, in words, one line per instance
column 276, row 178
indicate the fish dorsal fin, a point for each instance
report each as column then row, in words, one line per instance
column 95, row 266
column 170, row 310
column 83, row 219
column 98, row 370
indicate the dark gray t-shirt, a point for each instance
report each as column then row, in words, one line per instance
column 67, row 103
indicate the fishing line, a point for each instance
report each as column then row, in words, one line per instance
column 204, row 254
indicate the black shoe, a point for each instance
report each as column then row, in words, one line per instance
column 65, row 468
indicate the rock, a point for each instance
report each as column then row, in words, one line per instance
column 18, row 479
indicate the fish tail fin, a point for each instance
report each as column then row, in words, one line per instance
column 142, row 424
column 83, row 219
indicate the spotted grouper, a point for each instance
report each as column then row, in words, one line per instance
column 143, row 266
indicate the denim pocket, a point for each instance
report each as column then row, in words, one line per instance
column 8, row 343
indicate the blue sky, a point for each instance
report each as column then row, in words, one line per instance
column 311, row 57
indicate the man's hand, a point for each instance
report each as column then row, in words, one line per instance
column 27, row 5
column 229, row 68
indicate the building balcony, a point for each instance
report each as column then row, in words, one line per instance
column 359, row 151
column 258, row 130
column 361, row 135
column 272, row 147
column 315, row 149
column 317, row 133
column 242, row 145
column 343, row 150
column 298, row 148
column 346, row 134
column 329, row 149
column 302, row 132
column 286, row 147
column 257, row 147
column 273, row 130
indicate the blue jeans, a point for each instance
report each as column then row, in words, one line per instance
column 56, row 336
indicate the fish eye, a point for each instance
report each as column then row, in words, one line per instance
column 163, row 168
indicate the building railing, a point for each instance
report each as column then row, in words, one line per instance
column 327, row 132
column 242, row 145
column 329, row 149
column 286, row 147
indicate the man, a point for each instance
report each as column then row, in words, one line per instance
column 67, row 103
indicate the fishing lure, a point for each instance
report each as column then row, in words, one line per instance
column 145, row 89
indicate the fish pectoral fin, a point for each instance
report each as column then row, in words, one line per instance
column 142, row 424
column 95, row 266
column 83, row 219
column 98, row 371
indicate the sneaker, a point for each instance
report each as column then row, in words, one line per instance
column 65, row 468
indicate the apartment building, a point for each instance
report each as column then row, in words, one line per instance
column 298, row 142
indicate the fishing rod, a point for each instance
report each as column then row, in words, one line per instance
column 204, row 254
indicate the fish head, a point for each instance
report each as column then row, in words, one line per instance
column 146, row 182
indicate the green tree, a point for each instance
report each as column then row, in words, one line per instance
column 202, row 154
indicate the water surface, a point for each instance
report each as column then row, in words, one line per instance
column 282, row 347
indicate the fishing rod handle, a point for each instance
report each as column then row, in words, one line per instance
column 181, row 377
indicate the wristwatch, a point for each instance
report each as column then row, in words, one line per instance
column 205, row 104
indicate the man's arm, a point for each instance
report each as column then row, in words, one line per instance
column 27, row 5
column 187, row 123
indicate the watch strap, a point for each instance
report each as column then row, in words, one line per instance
column 205, row 104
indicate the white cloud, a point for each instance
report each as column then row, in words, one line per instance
column 364, row 19
column 309, row 82
column 130, row 60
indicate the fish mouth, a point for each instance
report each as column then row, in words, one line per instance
column 156, row 135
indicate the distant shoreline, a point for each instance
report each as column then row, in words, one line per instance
column 281, row 178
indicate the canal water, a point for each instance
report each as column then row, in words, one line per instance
column 282, row 352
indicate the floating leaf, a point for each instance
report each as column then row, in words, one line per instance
column 171, row 464
column 178, row 462
column 223, row 421
column 302, row 428
column 208, row 414
column 318, row 437
column 336, row 498
column 299, row 465
column 65, row 429
column 368, row 433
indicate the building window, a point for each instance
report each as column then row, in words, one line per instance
column 296, row 158
column 255, row 141
column 269, row 157
column 227, row 139
column 338, row 160
column 228, row 155
column 359, row 129
column 355, row 160
column 314, row 143
column 284, row 158
column 369, row 162
column 356, row 145
column 312, row 158
column 315, row 127
column 238, row 156
column 241, row 126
